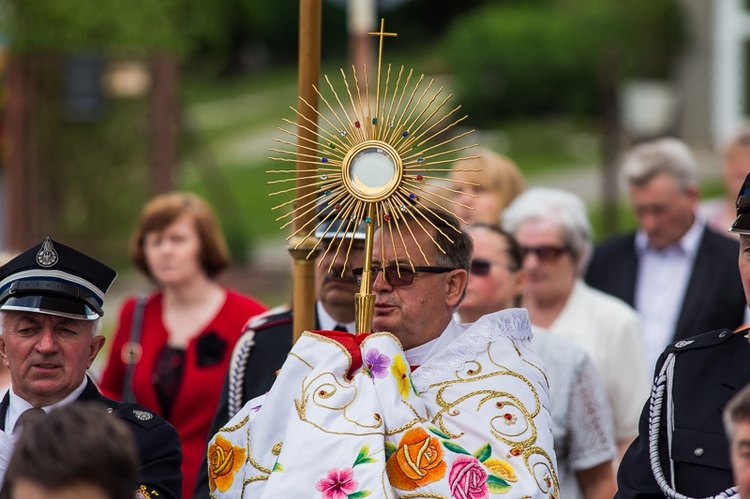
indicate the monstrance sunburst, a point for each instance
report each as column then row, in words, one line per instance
column 372, row 164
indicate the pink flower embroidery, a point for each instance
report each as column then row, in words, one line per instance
column 468, row 479
column 338, row 484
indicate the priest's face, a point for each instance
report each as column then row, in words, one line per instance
column 417, row 312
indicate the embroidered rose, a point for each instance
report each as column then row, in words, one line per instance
column 417, row 462
column 224, row 461
column 402, row 373
column 377, row 363
column 338, row 484
column 468, row 479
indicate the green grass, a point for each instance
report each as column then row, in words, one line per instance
column 539, row 146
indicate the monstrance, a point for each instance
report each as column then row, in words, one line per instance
column 372, row 164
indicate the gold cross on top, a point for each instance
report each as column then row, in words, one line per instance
column 381, row 34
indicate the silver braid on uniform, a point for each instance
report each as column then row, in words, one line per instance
column 237, row 367
column 664, row 383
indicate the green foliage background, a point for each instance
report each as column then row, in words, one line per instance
column 530, row 68
column 548, row 57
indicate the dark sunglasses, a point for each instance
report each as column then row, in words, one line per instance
column 545, row 253
column 481, row 267
column 397, row 275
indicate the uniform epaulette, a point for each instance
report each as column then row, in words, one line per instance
column 138, row 414
column 704, row 340
column 269, row 318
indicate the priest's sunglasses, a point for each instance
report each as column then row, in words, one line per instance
column 397, row 275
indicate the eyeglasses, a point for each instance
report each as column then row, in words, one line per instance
column 481, row 267
column 545, row 253
column 397, row 275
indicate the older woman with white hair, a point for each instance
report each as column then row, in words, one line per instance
column 553, row 230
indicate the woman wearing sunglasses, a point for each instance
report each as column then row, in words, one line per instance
column 553, row 230
column 582, row 425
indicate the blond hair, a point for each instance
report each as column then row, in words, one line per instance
column 499, row 175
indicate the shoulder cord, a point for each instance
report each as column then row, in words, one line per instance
column 665, row 379
column 237, row 367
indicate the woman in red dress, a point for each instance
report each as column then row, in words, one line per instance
column 180, row 348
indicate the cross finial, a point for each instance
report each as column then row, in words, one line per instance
column 381, row 34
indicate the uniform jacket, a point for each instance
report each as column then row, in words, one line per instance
column 708, row 370
column 157, row 442
column 205, row 365
column 714, row 297
column 268, row 339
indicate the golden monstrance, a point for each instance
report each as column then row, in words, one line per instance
column 371, row 161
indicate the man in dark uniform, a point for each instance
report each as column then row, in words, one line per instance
column 682, row 449
column 267, row 340
column 51, row 299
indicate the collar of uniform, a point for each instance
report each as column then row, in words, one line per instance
column 327, row 323
column 688, row 243
column 17, row 405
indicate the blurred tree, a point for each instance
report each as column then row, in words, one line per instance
column 135, row 26
column 82, row 159
column 545, row 57
column 233, row 36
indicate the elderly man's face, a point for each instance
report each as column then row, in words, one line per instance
column 663, row 211
column 549, row 265
column 47, row 355
column 419, row 312
column 337, row 287
column 744, row 264
column 740, row 454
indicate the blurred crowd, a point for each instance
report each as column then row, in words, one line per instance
column 614, row 324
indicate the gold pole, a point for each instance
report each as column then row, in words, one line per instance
column 309, row 74
column 364, row 301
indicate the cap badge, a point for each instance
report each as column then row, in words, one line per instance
column 143, row 415
column 47, row 256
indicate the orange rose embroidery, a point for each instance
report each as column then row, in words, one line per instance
column 223, row 462
column 417, row 462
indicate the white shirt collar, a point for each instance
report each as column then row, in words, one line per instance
column 418, row 355
column 17, row 406
column 688, row 243
column 327, row 323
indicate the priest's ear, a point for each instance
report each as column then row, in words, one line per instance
column 455, row 287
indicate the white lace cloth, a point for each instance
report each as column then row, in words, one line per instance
column 582, row 422
column 471, row 421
